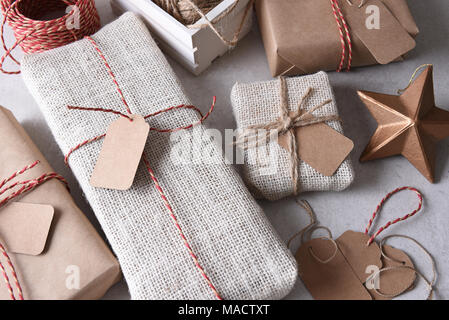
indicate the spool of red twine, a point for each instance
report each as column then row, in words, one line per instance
column 35, row 34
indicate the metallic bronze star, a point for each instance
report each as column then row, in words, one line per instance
column 409, row 125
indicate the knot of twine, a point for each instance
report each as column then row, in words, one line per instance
column 189, row 12
column 35, row 34
column 285, row 125
column 150, row 171
column 25, row 186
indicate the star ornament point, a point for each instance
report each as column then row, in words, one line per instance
column 409, row 125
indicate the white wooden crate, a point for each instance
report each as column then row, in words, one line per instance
column 195, row 49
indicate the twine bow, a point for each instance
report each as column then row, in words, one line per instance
column 285, row 125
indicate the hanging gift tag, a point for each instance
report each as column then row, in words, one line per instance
column 24, row 227
column 120, row 154
column 320, row 146
column 379, row 30
column 334, row 280
column 364, row 254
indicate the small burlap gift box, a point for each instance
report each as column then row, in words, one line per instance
column 189, row 231
column 321, row 158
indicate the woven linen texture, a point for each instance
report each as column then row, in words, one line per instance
column 229, row 233
column 259, row 103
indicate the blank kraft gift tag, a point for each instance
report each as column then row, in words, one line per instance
column 120, row 154
column 395, row 281
column 364, row 260
column 386, row 43
column 320, row 146
column 24, row 227
column 334, row 280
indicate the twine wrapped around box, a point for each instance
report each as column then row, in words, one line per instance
column 257, row 105
column 226, row 230
column 44, row 251
column 303, row 37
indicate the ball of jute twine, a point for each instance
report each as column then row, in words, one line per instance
column 183, row 11
column 189, row 12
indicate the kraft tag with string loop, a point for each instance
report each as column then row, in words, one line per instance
column 326, row 272
column 120, row 154
column 364, row 256
column 322, row 266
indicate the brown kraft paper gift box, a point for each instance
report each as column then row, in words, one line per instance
column 302, row 36
column 69, row 246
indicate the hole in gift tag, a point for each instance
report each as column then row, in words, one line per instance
column 120, row 154
column 357, row 256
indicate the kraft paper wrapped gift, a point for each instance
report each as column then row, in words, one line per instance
column 227, row 231
column 322, row 163
column 303, row 37
column 46, row 256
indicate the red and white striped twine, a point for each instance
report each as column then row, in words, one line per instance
column 381, row 204
column 25, row 186
column 145, row 159
column 345, row 35
column 35, row 35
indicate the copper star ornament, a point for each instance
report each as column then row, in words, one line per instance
column 409, row 125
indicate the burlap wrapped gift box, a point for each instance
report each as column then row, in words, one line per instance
column 71, row 247
column 302, row 36
column 235, row 244
column 257, row 104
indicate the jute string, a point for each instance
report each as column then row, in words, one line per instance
column 430, row 284
column 361, row 4
column 312, row 227
column 189, row 12
column 285, row 125
column 183, row 11
column 306, row 206
column 401, row 91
